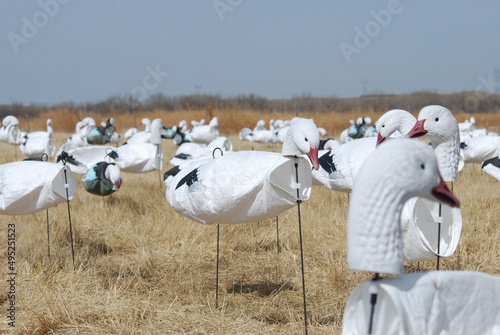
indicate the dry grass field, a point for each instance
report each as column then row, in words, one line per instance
column 141, row 268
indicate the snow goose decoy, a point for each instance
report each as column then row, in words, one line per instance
column 440, row 126
column 142, row 157
column 103, row 134
column 395, row 172
column 39, row 142
column 10, row 132
column 102, row 179
column 246, row 186
column 142, row 136
column 204, row 133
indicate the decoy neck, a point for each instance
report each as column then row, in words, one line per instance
column 396, row 171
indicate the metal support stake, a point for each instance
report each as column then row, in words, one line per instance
column 217, row 275
column 48, row 234
column 301, row 251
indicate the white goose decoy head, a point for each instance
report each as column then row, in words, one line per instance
column 396, row 171
column 88, row 121
column 10, row 120
column 302, row 139
column 441, row 127
column 392, row 121
column 110, row 123
column 49, row 126
column 112, row 173
column 156, row 127
column 147, row 124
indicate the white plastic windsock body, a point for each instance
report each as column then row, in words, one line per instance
column 245, row 186
column 437, row 302
column 480, row 149
column 419, row 229
column 81, row 159
column 133, row 157
column 30, row 186
column 139, row 157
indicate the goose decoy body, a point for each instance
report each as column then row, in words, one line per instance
column 247, row 186
column 204, row 133
column 33, row 185
column 102, row 179
column 102, row 134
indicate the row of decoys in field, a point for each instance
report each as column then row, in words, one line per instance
column 397, row 186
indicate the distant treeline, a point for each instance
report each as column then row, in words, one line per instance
column 468, row 102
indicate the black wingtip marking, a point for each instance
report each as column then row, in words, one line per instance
column 326, row 162
column 172, row 172
column 189, row 179
column 495, row 161
column 183, row 156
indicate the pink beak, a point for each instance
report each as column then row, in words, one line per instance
column 313, row 156
column 418, row 130
column 117, row 185
column 443, row 194
column 380, row 139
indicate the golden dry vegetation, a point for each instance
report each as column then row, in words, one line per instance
column 141, row 268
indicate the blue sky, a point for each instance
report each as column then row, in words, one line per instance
column 69, row 50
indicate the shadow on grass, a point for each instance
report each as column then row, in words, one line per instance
column 263, row 289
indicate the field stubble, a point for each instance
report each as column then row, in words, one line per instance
column 141, row 268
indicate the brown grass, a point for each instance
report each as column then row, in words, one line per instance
column 143, row 269
column 230, row 122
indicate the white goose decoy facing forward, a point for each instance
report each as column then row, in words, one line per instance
column 395, row 172
column 247, row 186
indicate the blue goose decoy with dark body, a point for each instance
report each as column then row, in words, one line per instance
column 102, row 179
column 102, row 134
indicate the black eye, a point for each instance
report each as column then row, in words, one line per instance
column 383, row 125
column 436, row 119
column 306, row 139
column 422, row 166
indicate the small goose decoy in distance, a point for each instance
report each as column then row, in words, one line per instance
column 39, row 142
column 103, row 134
